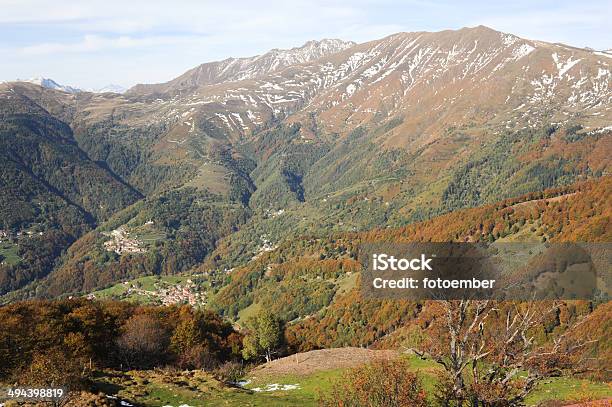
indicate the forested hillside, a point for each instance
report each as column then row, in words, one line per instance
column 52, row 192
column 166, row 234
column 314, row 282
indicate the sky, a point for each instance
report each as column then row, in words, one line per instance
column 93, row 43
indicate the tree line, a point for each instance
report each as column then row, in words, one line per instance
column 64, row 341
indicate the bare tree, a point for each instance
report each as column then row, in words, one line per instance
column 489, row 351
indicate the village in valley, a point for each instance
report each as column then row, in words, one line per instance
column 121, row 241
column 158, row 290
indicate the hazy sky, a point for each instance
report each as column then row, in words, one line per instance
column 91, row 43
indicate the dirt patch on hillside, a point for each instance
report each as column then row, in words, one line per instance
column 324, row 359
column 553, row 199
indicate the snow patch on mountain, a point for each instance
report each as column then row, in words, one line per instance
column 563, row 67
column 523, row 51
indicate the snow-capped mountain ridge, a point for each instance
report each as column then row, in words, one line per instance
column 502, row 79
column 51, row 84
column 236, row 69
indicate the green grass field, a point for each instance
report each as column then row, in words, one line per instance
column 8, row 253
column 562, row 388
column 202, row 390
column 569, row 389
column 246, row 313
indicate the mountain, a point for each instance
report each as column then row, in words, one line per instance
column 51, row 84
column 111, row 88
column 236, row 69
column 238, row 156
column 449, row 72
column 418, row 93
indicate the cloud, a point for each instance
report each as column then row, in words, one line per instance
column 95, row 25
column 120, row 16
column 95, row 43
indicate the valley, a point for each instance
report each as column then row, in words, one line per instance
column 190, row 221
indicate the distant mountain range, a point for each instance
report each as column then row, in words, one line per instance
column 51, row 84
column 235, row 157
column 112, row 88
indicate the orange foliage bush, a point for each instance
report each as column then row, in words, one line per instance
column 379, row 384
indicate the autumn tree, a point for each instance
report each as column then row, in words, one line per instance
column 193, row 341
column 264, row 336
column 54, row 368
column 78, row 335
column 143, row 342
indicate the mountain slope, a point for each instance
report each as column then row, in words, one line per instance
column 443, row 78
column 434, row 98
column 49, row 188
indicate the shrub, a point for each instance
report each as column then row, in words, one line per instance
column 379, row 384
column 230, row 372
